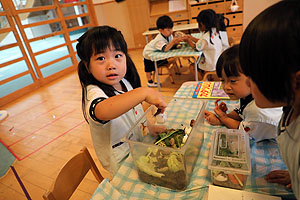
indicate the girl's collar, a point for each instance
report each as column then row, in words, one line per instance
column 243, row 103
column 124, row 88
column 285, row 121
column 167, row 38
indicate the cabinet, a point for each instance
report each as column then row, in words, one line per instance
column 140, row 20
column 177, row 17
column 235, row 28
column 177, row 10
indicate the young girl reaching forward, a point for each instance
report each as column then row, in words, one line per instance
column 270, row 56
column 111, row 92
column 259, row 123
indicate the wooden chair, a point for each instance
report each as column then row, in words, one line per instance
column 171, row 64
column 71, row 175
column 211, row 76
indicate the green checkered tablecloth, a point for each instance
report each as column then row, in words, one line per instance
column 182, row 52
column 265, row 157
column 185, row 51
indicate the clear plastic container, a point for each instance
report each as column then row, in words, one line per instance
column 229, row 159
column 166, row 166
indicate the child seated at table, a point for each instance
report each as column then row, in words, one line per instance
column 164, row 41
column 259, row 123
column 210, row 43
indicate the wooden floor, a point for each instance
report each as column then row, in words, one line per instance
column 46, row 128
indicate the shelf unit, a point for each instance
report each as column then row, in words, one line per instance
column 177, row 11
column 235, row 28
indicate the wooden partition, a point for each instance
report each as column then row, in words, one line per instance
column 33, row 47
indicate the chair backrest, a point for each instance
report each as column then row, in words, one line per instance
column 211, row 75
column 71, row 175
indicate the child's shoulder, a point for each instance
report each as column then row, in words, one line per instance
column 213, row 35
column 159, row 38
column 94, row 91
column 156, row 44
column 92, row 87
column 268, row 115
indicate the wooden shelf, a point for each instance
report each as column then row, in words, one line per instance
column 159, row 7
column 164, row 7
column 235, row 29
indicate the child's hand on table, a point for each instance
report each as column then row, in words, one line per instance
column 211, row 118
column 220, row 109
column 178, row 40
column 279, row 176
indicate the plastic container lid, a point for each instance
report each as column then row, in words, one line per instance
column 230, row 152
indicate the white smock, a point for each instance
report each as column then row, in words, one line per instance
column 260, row 123
column 106, row 135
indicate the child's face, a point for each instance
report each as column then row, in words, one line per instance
column 167, row 32
column 109, row 67
column 201, row 27
column 236, row 87
column 260, row 100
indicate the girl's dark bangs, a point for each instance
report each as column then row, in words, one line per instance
column 231, row 70
column 101, row 43
column 117, row 45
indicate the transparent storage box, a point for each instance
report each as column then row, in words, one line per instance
column 229, row 159
column 161, row 165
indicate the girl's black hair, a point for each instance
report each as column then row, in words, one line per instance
column 208, row 17
column 221, row 24
column 270, row 50
column 97, row 40
column 229, row 62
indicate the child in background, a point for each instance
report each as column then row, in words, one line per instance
column 210, row 43
column 259, row 123
column 270, row 56
column 164, row 41
column 111, row 92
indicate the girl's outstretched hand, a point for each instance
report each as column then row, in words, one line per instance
column 211, row 118
column 154, row 97
column 279, row 176
column 220, row 109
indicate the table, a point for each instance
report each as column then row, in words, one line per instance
column 265, row 157
column 181, row 27
column 185, row 51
